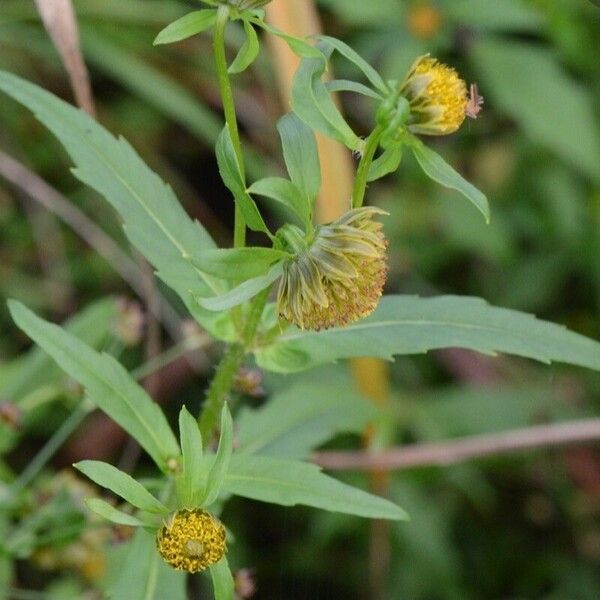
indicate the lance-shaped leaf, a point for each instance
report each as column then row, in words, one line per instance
column 187, row 26
column 297, row 45
column 387, row 163
column 222, row 579
column 112, row 514
column 413, row 325
column 190, row 483
column 435, row 167
column 289, row 483
column 122, row 484
column 239, row 263
column 248, row 52
column 107, row 384
column 284, row 191
column 154, row 221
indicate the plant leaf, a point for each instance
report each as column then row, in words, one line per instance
column 191, row 486
column 289, row 483
column 284, row 191
column 248, row 52
column 387, row 163
column 297, row 45
column 343, row 85
column 107, row 384
column 243, row 292
column 222, row 579
column 122, row 484
column 187, row 26
column 439, row 170
column 413, row 325
column 220, row 465
column 112, row 514
column 232, row 177
column 301, row 154
column 239, row 263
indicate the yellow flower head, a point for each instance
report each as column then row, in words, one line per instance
column 339, row 277
column 192, row 540
column 437, row 97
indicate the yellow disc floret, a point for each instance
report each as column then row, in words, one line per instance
column 339, row 277
column 192, row 540
column 437, row 97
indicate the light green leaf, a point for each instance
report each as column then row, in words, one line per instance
column 232, row 177
column 154, row 221
column 107, row 384
column 284, row 191
column 222, row 579
column 122, row 484
column 300, row 418
column 439, row 170
column 527, row 83
column 387, row 163
column 110, row 513
column 343, row 85
column 185, row 27
column 190, row 489
column 370, row 73
column 144, row 574
column 297, row 45
column 289, row 483
column 413, row 325
column 243, row 292
column 301, row 154
column 248, row 52
column 239, row 263
column 220, row 465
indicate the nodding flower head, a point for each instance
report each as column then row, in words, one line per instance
column 337, row 277
column 192, row 540
column 437, row 97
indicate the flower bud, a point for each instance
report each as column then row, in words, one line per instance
column 437, row 97
column 192, row 540
column 338, row 276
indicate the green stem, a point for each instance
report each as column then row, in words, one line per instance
column 362, row 174
column 239, row 232
column 228, row 368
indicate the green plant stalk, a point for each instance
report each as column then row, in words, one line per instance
column 239, row 231
column 362, row 173
column 228, row 368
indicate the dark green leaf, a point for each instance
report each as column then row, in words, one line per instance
column 185, row 27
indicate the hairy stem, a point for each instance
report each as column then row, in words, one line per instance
column 362, row 174
column 239, row 232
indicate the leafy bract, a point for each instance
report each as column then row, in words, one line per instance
column 223, row 584
column 154, row 221
column 107, row 384
column 248, row 52
column 284, row 191
column 412, row 325
column 289, row 483
column 220, row 465
column 190, row 482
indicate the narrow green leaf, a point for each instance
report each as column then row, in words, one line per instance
column 370, row 73
column 239, row 263
column 289, row 483
column 191, row 446
column 301, row 154
column 110, row 513
column 222, row 579
column 122, row 484
column 107, row 384
column 439, row 170
column 185, row 27
column 413, row 325
column 248, row 52
column 297, row 45
column 343, row 85
column 243, row 292
column 387, row 163
column 284, row 191
column 220, row 465
column 232, row 177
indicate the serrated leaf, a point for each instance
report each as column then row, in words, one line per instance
column 220, row 465
column 370, row 73
column 243, row 292
column 284, row 191
column 190, row 489
column 154, row 221
column 187, row 26
column 248, row 52
column 107, row 384
column 289, row 483
column 413, row 325
column 112, row 514
column 440, row 171
column 232, row 177
column 301, row 154
column 222, row 579
column 122, row 484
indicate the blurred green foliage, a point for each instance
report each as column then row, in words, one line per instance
column 517, row 528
